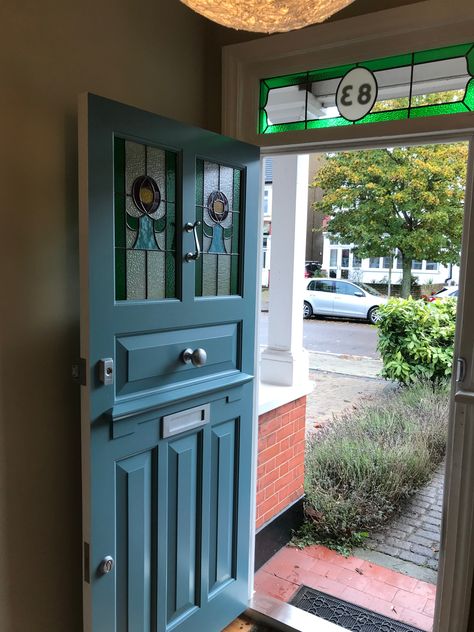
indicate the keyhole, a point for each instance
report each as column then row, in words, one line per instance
column 108, row 370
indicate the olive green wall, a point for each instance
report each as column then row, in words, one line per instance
column 151, row 54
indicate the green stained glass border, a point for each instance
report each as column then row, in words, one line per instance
column 386, row 63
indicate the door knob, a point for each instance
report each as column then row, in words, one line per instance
column 106, row 565
column 198, row 357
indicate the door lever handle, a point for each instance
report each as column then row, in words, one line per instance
column 192, row 228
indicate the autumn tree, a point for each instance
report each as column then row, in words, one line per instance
column 408, row 199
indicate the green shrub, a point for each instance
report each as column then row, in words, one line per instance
column 416, row 339
column 366, row 464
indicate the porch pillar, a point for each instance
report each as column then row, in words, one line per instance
column 284, row 362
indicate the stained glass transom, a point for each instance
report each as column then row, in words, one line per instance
column 145, row 221
column 218, row 198
column 427, row 83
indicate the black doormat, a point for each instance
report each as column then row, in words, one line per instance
column 346, row 614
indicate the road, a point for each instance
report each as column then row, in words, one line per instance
column 333, row 336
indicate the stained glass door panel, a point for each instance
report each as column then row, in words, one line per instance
column 218, row 210
column 145, row 221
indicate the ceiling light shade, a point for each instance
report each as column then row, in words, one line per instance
column 267, row 16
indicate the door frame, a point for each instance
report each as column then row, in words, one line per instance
column 347, row 41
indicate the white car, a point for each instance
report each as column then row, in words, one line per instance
column 335, row 297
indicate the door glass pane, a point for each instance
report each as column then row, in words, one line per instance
column 145, row 221
column 218, row 209
column 333, row 257
column 345, row 258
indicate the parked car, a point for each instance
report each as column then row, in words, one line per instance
column 310, row 267
column 451, row 291
column 328, row 297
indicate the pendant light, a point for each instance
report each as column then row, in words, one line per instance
column 266, row 16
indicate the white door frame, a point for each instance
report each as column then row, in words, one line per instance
column 421, row 26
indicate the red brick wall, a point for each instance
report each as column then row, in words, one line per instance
column 281, row 445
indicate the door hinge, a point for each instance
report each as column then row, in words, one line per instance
column 78, row 372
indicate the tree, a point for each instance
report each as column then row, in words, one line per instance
column 408, row 199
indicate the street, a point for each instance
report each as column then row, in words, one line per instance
column 333, row 336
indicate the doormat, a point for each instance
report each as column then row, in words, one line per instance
column 345, row 614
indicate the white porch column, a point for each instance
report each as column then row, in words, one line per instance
column 284, row 362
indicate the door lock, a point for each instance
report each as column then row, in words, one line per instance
column 106, row 371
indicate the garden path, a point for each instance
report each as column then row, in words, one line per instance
column 414, row 535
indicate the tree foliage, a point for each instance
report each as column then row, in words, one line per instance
column 405, row 198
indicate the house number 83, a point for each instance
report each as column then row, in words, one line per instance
column 356, row 94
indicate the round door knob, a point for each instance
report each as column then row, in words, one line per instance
column 198, row 357
column 106, row 565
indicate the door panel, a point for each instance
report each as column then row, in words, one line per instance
column 133, row 527
column 166, row 442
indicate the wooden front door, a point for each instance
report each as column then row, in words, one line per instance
column 169, row 235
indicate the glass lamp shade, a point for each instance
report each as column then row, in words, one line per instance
column 266, row 16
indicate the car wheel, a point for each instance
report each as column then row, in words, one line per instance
column 373, row 315
column 307, row 310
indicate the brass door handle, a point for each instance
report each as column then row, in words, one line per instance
column 192, row 228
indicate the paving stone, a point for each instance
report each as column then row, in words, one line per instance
column 413, row 557
column 404, row 545
column 431, row 563
column 436, row 522
column 434, row 514
column 429, row 535
column 421, row 504
column 418, row 539
column 422, row 550
column 389, row 550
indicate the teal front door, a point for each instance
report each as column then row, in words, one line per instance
column 168, row 224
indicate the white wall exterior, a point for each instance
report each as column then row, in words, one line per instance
column 368, row 274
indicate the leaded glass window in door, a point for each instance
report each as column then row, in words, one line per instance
column 145, row 221
column 218, row 195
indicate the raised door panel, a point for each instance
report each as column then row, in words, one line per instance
column 134, row 503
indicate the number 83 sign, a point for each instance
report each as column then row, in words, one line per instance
column 356, row 94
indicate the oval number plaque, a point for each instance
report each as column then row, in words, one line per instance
column 356, row 94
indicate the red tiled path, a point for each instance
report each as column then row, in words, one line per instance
column 362, row 583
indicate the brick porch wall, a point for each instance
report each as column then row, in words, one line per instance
column 281, row 447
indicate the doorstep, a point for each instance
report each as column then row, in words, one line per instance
column 357, row 581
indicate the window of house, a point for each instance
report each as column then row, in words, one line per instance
column 333, row 258
column 345, row 258
column 432, row 265
column 387, row 262
column 416, row 265
column 356, row 261
column 374, row 262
